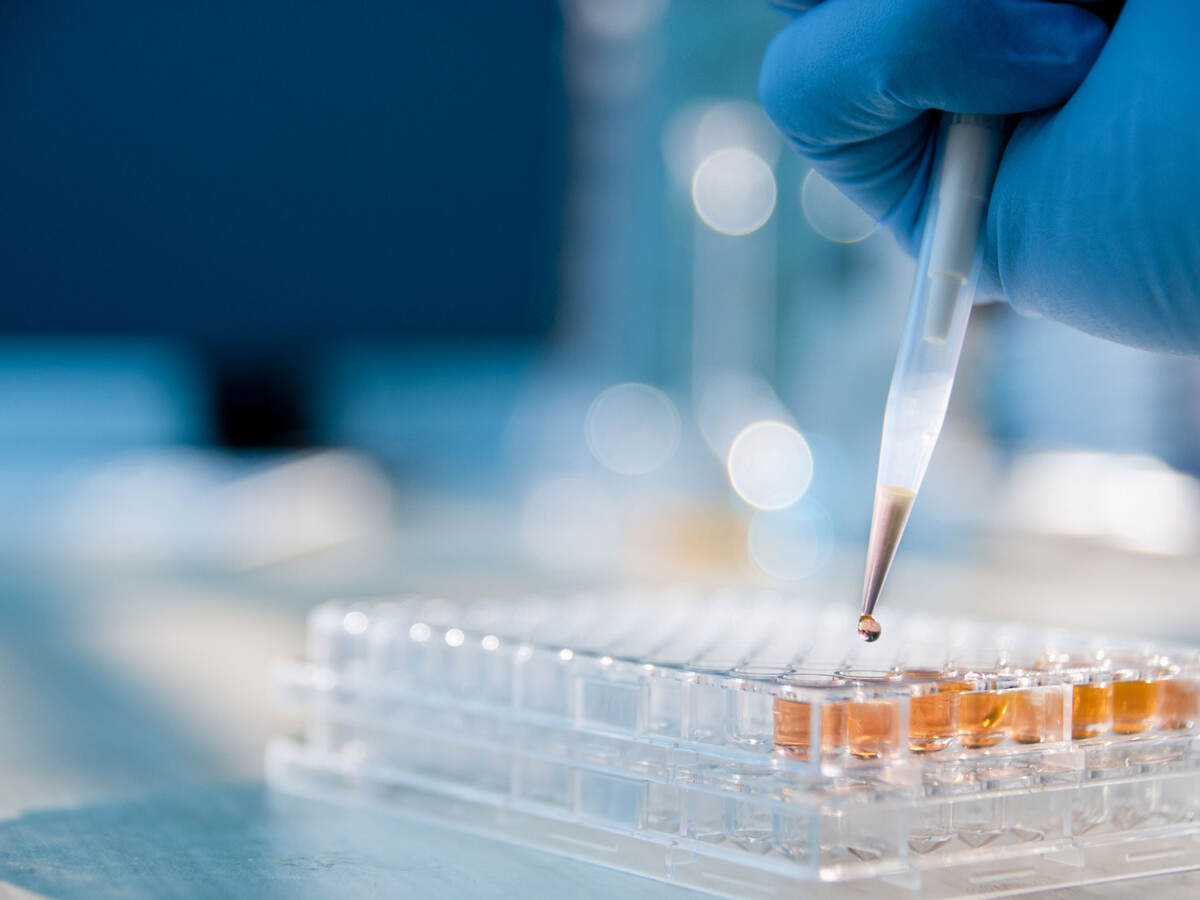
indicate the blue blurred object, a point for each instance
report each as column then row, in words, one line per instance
column 440, row 411
column 113, row 396
column 256, row 177
column 1092, row 219
column 257, row 180
column 1047, row 386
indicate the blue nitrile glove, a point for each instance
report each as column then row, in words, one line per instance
column 1095, row 214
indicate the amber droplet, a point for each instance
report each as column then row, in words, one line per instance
column 868, row 629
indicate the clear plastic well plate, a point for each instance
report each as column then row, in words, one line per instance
column 754, row 738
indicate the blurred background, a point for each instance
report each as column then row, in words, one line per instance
column 308, row 299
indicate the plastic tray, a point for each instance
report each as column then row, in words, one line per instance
column 976, row 760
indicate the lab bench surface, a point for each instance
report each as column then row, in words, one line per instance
column 247, row 841
column 136, row 714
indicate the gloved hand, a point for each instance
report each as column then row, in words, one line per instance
column 1094, row 219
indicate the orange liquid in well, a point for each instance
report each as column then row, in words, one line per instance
column 833, row 728
column 1180, row 706
column 932, row 721
column 1091, row 710
column 793, row 730
column 984, row 717
column 1136, row 705
column 954, row 686
column 1037, row 715
column 873, row 728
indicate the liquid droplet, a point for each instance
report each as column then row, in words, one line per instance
column 868, row 629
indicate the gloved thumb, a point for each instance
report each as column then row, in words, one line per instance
column 849, row 83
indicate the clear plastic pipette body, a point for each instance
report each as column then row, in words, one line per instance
column 968, row 153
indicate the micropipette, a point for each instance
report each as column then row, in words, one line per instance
column 948, row 265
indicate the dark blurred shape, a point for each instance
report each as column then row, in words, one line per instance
column 260, row 405
column 253, row 177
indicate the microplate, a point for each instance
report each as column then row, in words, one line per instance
column 747, row 744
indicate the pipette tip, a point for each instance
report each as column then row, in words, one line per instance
column 868, row 629
column 892, row 506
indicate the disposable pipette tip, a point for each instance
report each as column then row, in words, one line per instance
column 889, row 516
column 943, row 289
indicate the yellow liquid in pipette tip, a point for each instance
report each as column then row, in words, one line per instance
column 892, row 506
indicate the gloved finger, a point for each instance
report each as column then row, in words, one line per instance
column 1093, row 220
column 799, row 6
column 793, row 6
column 849, row 82
column 1107, row 9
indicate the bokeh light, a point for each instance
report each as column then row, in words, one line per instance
column 831, row 213
column 770, row 465
column 734, row 191
column 355, row 622
column 700, row 129
column 632, row 428
column 737, row 123
column 728, row 402
column 791, row 544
